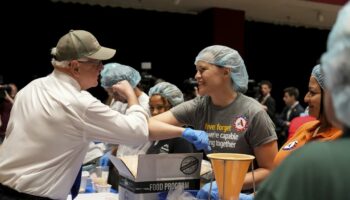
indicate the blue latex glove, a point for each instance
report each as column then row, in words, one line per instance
column 104, row 159
column 203, row 193
column 243, row 196
column 198, row 138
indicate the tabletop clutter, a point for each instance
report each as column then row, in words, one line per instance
column 169, row 176
column 95, row 181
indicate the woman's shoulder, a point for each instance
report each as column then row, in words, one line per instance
column 310, row 125
column 306, row 127
column 248, row 99
column 249, row 102
column 200, row 101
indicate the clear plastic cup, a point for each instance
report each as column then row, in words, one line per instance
column 102, row 172
column 103, row 188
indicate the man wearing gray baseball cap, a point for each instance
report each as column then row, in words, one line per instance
column 54, row 118
column 79, row 43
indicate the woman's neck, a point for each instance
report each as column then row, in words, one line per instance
column 223, row 99
column 324, row 123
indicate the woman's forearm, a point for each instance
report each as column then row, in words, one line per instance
column 259, row 175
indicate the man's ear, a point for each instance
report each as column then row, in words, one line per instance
column 74, row 67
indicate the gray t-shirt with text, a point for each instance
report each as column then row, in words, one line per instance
column 237, row 128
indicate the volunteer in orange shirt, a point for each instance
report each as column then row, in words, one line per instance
column 320, row 129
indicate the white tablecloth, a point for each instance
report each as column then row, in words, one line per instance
column 95, row 196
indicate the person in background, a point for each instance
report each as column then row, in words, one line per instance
column 162, row 97
column 54, row 118
column 320, row 170
column 266, row 100
column 290, row 111
column 320, row 129
column 235, row 123
column 7, row 96
column 190, row 89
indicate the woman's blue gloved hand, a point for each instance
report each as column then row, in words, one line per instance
column 198, row 138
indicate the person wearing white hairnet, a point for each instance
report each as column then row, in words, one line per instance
column 235, row 123
column 162, row 97
column 320, row 170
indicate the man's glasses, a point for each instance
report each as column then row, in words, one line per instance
column 93, row 62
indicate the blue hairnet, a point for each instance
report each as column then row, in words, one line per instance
column 226, row 57
column 169, row 91
column 336, row 65
column 112, row 73
column 319, row 76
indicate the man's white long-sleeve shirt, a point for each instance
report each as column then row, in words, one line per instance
column 52, row 122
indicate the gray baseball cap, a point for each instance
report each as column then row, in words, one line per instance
column 78, row 44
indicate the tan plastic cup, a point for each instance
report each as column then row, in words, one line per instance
column 230, row 170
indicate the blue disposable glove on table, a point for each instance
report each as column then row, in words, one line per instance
column 203, row 193
column 104, row 159
column 246, row 196
column 198, row 138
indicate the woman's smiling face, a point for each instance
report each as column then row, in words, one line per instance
column 313, row 98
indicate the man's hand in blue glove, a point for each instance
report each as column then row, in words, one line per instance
column 203, row 193
column 198, row 138
column 104, row 159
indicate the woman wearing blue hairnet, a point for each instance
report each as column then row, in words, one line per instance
column 235, row 123
column 162, row 97
column 320, row 170
column 113, row 73
column 320, row 129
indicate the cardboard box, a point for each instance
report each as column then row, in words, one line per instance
column 142, row 177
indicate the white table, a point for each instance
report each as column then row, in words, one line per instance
column 95, row 196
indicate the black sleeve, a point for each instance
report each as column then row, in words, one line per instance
column 271, row 108
column 281, row 117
